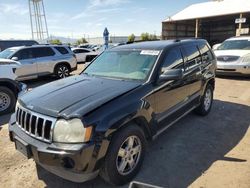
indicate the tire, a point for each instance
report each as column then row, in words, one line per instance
column 130, row 158
column 206, row 102
column 62, row 71
column 7, row 100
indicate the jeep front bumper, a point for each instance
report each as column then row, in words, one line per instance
column 74, row 162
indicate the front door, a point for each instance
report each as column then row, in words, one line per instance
column 170, row 96
column 28, row 64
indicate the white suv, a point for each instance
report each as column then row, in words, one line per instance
column 40, row 60
column 233, row 56
column 9, row 88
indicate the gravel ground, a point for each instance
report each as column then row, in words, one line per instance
column 211, row 151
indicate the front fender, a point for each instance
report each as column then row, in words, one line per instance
column 133, row 112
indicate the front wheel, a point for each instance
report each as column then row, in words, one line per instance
column 62, row 71
column 7, row 100
column 125, row 156
column 206, row 101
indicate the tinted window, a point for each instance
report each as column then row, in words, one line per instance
column 192, row 54
column 206, row 53
column 24, row 54
column 43, row 52
column 173, row 60
column 80, row 51
column 62, row 50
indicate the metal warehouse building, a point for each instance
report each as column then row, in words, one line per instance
column 214, row 21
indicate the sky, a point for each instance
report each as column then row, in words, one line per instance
column 79, row 18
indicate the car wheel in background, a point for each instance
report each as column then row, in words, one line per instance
column 7, row 100
column 62, row 71
column 125, row 155
column 206, row 101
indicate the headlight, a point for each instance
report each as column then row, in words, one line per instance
column 246, row 59
column 71, row 131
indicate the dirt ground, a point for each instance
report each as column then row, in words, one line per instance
column 199, row 152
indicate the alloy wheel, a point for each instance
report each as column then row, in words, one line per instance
column 207, row 99
column 63, row 72
column 128, row 155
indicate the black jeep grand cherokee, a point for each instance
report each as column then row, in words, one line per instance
column 99, row 122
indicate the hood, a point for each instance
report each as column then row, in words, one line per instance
column 239, row 53
column 74, row 96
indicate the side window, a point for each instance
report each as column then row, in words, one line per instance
column 193, row 56
column 173, row 60
column 206, row 53
column 24, row 54
column 85, row 51
column 43, row 52
column 62, row 50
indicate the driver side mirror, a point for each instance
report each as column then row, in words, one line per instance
column 171, row 74
column 14, row 58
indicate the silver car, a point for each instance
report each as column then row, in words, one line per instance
column 40, row 60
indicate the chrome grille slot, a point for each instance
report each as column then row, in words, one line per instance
column 34, row 124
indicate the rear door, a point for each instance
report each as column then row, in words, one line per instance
column 45, row 60
column 27, row 58
column 192, row 72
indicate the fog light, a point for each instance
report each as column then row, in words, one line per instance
column 68, row 163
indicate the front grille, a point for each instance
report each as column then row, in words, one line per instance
column 228, row 58
column 34, row 124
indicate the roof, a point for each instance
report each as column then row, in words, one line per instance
column 154, row 45
column 211, row 9
column 150, row 45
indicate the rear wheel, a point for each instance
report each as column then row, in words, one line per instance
column 125, row 155
column 62, row 71
column 7, row 100
column 206, row 101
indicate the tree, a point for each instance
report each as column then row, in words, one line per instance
column 55, row 41
column 81, row 41
column 131, row 38
column 145, row 36
column 152, row 37
column 148, row 37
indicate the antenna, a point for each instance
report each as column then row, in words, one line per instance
column 39, row 28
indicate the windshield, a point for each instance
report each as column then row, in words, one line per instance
column 235, row 45
column 127, row 65
column 6, row 53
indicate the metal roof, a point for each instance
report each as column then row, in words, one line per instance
column 211, row 9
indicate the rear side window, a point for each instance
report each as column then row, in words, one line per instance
column 173, row 60
column 43, row 52
column 192, row 54
column 62, row 50
column 206, row 53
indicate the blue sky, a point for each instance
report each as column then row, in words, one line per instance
column 74, row 18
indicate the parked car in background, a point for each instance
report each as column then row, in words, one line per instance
column 4, row 44
column 233, row 56
column 9, row 87
column 41, row 60
column 99, row 122
column 84, row 54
